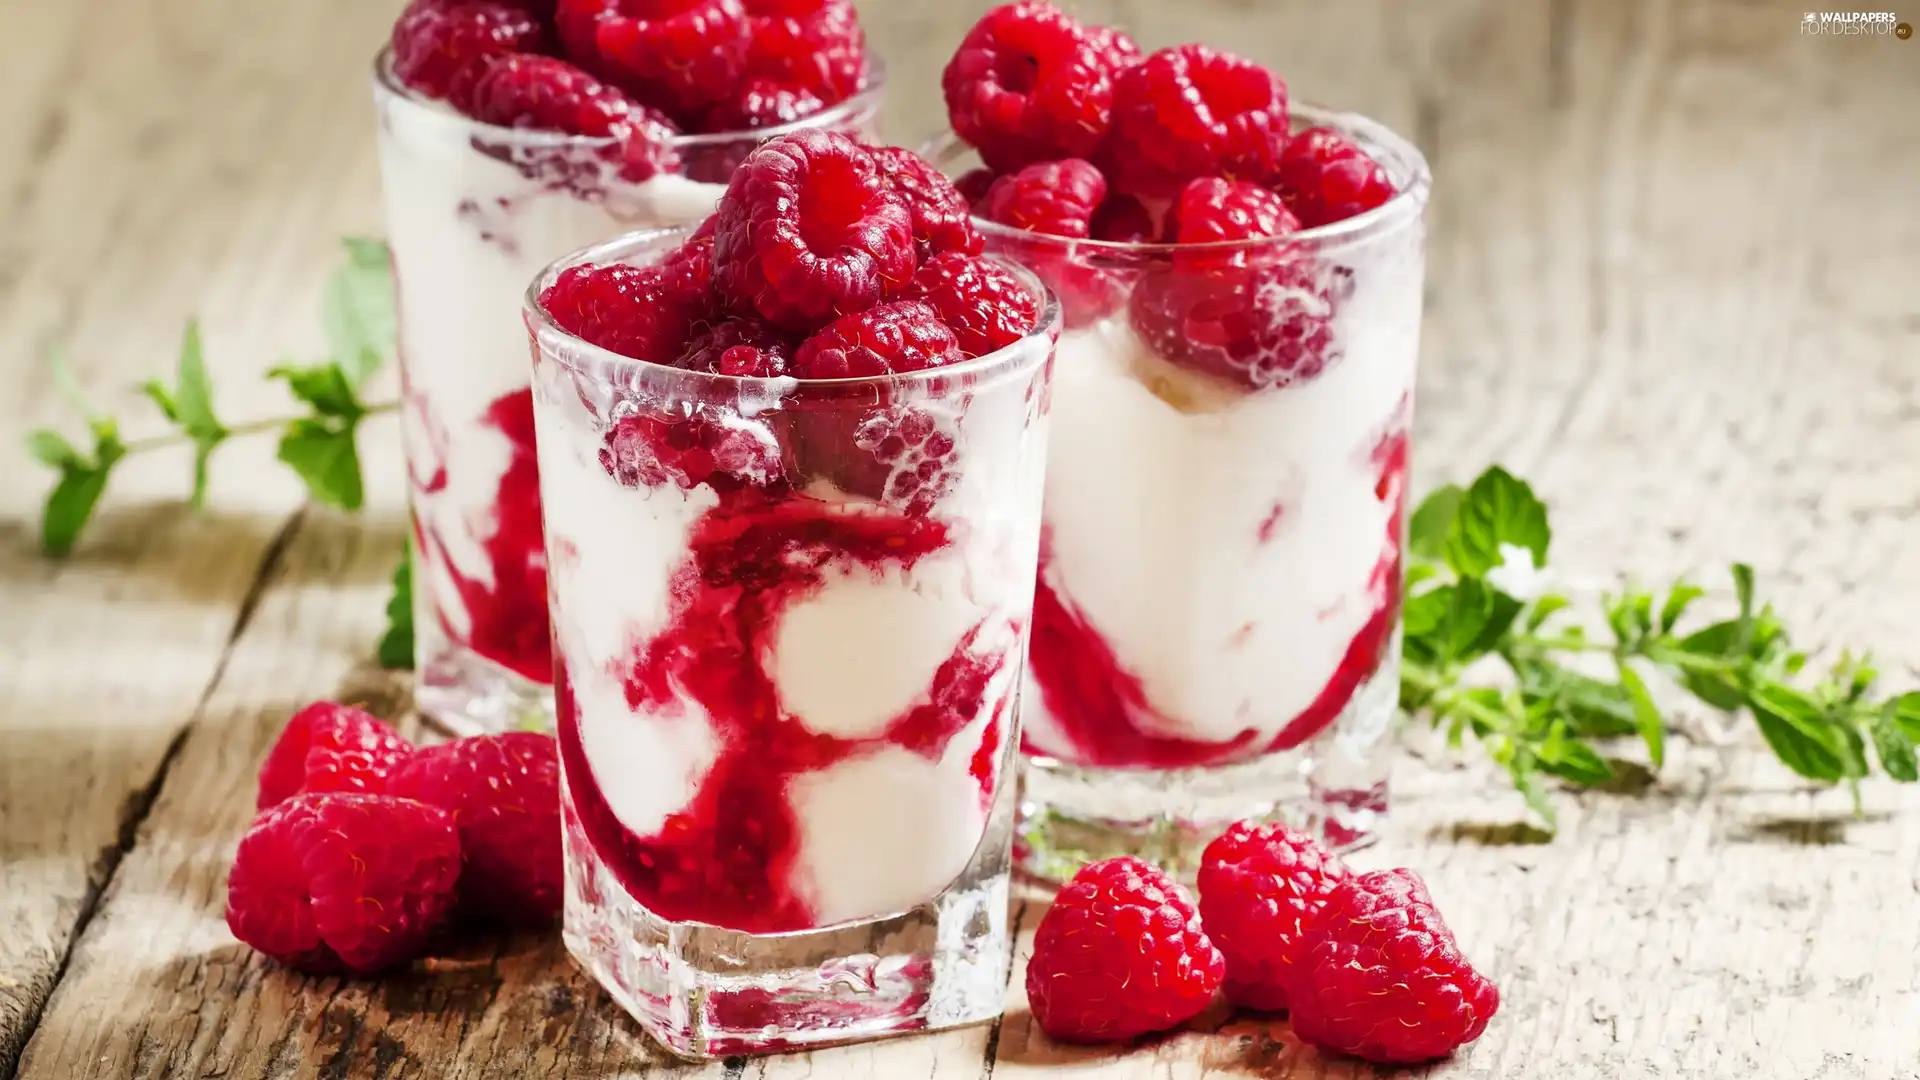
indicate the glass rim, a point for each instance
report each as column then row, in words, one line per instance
column 865, row 99
column 1048, row 325
column 1405, row 207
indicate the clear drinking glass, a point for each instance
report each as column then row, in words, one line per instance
column 790, row 619
column 474, row 211
column 1216, row 623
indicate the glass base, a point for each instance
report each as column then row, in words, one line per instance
column 706, row 992
column 1333, row 786
column 464, row 693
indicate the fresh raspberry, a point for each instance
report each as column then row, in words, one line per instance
column 813, row 47
column 1261, row 326
column 683, row 55
column 541, row 92
column 441, row 48
column 329, row 747
column 1112, row 43
column 980, row 300
column 916, row 452
column 1122, row 219
column 1326, row 178
column 689, row 269
column 503, row 792
column 1211, row 210
column 1057, row 198
column 808, row 229
column 745, row 347
column 760, row 105
column 690, row 448
column 1260, row 886
column 1380, row 977
column 1119, row 954
column 1029, row 83
column 635, row 311
column 1188, row 112
column 343, row 882
column 905, row 335
column 974, row 184
column 942, row 217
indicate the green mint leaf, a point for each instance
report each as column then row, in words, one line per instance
column 1593, row 709
column 1498, row 509
column 1792, row 726
column 1527, row 782
column 71, row 503
column 324, row 387
column 1499, row 621
column 162, row 399
column 324, row 455
column 1572, row 760
column 1544, row 608
column 357, row 310
column 1427, row 529
column 1720, row 641
column 193, row 401
column 1743, row 588
column 1894, row 749
column 1469, row 610
column 396, row 645
column 53, row 450
column 1678, row 599
column 1905, row 712
column 1646, row 715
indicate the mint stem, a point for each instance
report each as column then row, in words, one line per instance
column 251, row 427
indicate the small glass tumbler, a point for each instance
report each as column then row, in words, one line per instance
column 473, row 212
column 1215, row 630
column 790, row 618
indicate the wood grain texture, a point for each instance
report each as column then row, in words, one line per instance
column 1673, row 280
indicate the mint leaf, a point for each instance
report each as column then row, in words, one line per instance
column 324, row 455
column 1721, row 641
column 71, row 503
column 1743, row 588
column 1594, row 709
column 1544, row 608
column 1792, row 726
column 1895, row 750
column 357, row 310
column 1527, row 783
column 1646, row 715
column 1498, row 509
column 1905, row 713
column 324, row 387
column 396, row 645
column 193, row 401
column 162, row 399
column 1682, row 595
column 1427, row 529
column 53, row 450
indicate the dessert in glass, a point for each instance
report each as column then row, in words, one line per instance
column 791, row 466
column 507, row 138
column 1215, row 623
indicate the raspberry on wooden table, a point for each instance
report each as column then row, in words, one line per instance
column 1260, row 886
column 887, row 339
column 942, row 217
column 983, row 302
column 1029, row 83
column 503, row 793
column 635, row 311
column 441, row 48
column 1120, row 953
column 684, row 56
column 1326, row 178
column 1057, row 198
column 547, row 94
column 1380, row 976
column 1211, row 210
column 331, row 747
column 1191, row 111
column 337, row 882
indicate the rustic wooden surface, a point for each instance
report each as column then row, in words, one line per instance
column 1674, row 281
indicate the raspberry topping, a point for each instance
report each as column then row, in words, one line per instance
column 942, row 217
column 1260, row 885
column 1057, row 198
column 745, row 347
column 683, row 55
column 1120, row 954
column 503, row 793
column 1029, row 83
column 525, row 91
column 810, row 47
column 759, row 105
column 906, row 335
column 810, row 228
column 981, row 300
column 343, row 883
column 329, row 747
column 652, row 449
column 1380, row 977
column 1189, row 112
column 441, row 48
column 631, row 310
column 1326, row 178
column 1211, row 210
column 1260, row 326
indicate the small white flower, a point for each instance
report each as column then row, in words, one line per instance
column 1517, row 575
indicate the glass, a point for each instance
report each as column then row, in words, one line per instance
column 473, row 213
column 790, row 618
column 1216, row 622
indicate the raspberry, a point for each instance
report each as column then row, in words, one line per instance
column 1119, row 954
column 744, row 347
column 980, row 300
column 942, row 217
column 974, row 184
column 1057, row 198
column 653, row 449
column 329, row 747
column 1259, row 327
column 760, row 105
column 503, row 792
column 1326, row 178
column 441, row 48
column 1188, row 112
column 1260, row 886
column 808, row 229
column 1029, row 83
column 343, row 883
column 813, row 47
column 1211, row 210
column 682, row 55
column 631, row 310
column 541, row 92
column 1115, row 46
column 1122, row 219
column 1380, row 977
column 905, row 335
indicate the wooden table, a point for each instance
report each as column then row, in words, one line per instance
column 1674, row 282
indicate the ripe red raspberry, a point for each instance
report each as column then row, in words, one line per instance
column 684, row 56
column 814, row 47
column 1211, row 210
column 759, row 105
column 503, row 792
column 1122, row 219
column 1380, row 976
column 635, row 311
column 1119, row 954
column 1188, row 112
column 329, row 747
column 1260, row 886
column 905, row 335
column 974, row 185
column 525, row 91
column 1112, row 43
column 343, row 883
column 1057, row 198
column 942, row 217
column 440, row 48
column 687, row 449
column 745, row 347
column 808, row 229
column 1258, row 327
column 1326, row 178
column 980, row 300
column 1029, row 83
